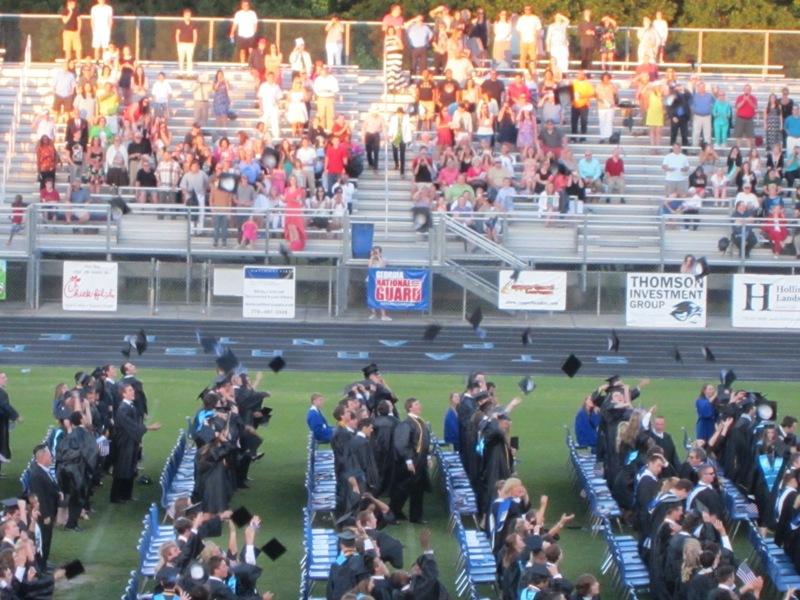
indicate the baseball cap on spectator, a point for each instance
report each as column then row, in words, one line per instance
column 299, row 42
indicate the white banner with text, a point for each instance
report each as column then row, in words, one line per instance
column 665, row 300
column 532, row 290
column 771, row 301
column 89, row 286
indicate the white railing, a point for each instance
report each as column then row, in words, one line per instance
column 15, row 119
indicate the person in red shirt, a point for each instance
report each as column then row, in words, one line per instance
column 49, row 195
column 615, row 175
column 335, row 162
column 745, row 109
column 394, row 18
column 17, row 216
column 518, row 92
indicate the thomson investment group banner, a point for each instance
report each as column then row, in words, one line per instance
column 770, row 301
column 399, row 289
column 665, row 300
column 532, row 290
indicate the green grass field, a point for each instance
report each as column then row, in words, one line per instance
column 108, row 545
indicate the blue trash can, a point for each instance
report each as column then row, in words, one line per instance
column 361, row 235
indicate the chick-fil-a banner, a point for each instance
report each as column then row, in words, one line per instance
column 399, row 289
column 90, row 286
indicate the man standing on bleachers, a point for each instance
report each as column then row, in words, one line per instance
column 676, row 168
column 702, row 104
column 71, row 31
column 102, row 19
column 185, row 41
column 326, row 88
column 745, row 111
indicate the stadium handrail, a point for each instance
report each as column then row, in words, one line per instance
column 626, row 31
column 15, row 119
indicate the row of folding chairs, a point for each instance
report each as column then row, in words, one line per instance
column 320, row 545
column 25, row 476
column 153, row 535
column 132, row 587
column 623, row 564
column 320, row 479
column 461, row 498
column 587, row 476
column 177, row 476
column 775, row 563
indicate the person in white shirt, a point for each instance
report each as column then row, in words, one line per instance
column 676, row 168
column 692, row 206
column 662, row 30
column 501, row 42
column 348, row 191
column 161, row 92
column 102, row 19
column 300, row 59
column 400, row 135
column 334, row 41
column 529, row 28
column 748, row 197
column 326, row 87
column 269, row 95
column 557, row 42
column 307, row 155
column 243, row 30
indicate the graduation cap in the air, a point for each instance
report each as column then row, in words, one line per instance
column 527, row 338
column 421, row 216
column 241, row 516
column 515, row 275
column 613, row 341
column 766, row 410
column 228, row 182
column 613, row 380
column 527, row 385
column 210, row 344
column 676, row 354
column 571, row 366
column 708, row 354
column 273, row 549
column 431, row 331
column 475, row 319
column 276, row 364
column 137, row 342
column 370, row 369
column 73, row 568
column 727, row 377
column 284, row 251
column 700, row 268
column 119, row 207
column 227, row 361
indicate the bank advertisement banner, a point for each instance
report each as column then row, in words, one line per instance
column 399, row 289
column 771, row 301
column 89, row 286
column 665, row 300
column 532, row 290
column 268, row 293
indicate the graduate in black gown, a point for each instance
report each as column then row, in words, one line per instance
column 659, row 544
column 214, row 485
column 706, row 496
column 360, row 458
column 498, row 458
column 702, row 581
column 376, row 389
column 348, row 569
column 783, row 507
column 739, row 447
column 344, row 432
column 128, row 433
column 128, row 370
column 383, row 426
column 411, row 444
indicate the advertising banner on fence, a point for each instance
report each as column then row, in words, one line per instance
column 268, row 293
column 399, row 289
column 665, row 300
column 89, row 286
column 3, row 267
column 532, row 290
column 766, row 301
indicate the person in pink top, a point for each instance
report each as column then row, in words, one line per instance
column 249, row 232
column 394, row 18
column 745, row 110
column 294, row 225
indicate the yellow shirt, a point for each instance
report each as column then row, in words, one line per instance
column 582, row 93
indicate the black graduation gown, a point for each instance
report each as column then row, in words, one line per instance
column 710, row 498
column 425, row 585
column 673, row 561
column 391, row 548
column 344, row 575
column 646, row 490
column 466, row 408
column 473, row 464
column 360, row 462
column 509, row 580
column 763, row 492
column 339, row 443
column 7, row 415
column 700, row 585
column 128, row 434
column 381, row 589
column 783, row 517
column 668, row 446
column 214, row 481
column 381, row 440
column 739, row 452
column 71, row 468
column 498, row 462
column 687, row 471
column 656, row 560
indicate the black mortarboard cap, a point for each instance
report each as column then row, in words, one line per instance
column 613, row 341
column 347, row 535
column 168, row 576
column 527, row 338
column 276, row 364
column 140, row 342
column 527, row 385
column 700, row 268
column 227, row 361
column 9, row 503
column 73, row 568
column 205, row 435
column 708, row 354
column 571, row 366
column 431, row 331
column 613, row 380
column 370, row 369
column 203, row 392
column 119, row 206
column 476, row 318
column 274, row 549
column 97, row 373
column 515, row 275
column 727, row 377
column 283, row 249
column 346, row 520
column 676, row 354
column 209, row 344
column 241, row 516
